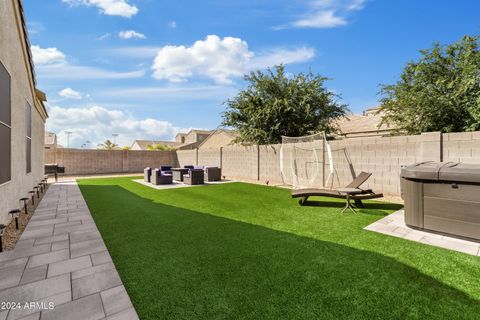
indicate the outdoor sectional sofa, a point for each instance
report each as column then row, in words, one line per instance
column 194, row 177
column 147, row 174
column 210, row 173
column 190, row 174
column 160, row 177
column 166, row 169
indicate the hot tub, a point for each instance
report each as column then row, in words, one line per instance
column 443, row 197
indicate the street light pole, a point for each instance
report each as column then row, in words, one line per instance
column 115, row 135
column 68, row 133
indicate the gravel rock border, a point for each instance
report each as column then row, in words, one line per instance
column 12, row 235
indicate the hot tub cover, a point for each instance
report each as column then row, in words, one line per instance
column 443, row 171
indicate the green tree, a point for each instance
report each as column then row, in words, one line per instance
column 127, row 148
column 274, row 104
column 159, row 147
column 108, row 145
column 439, row 92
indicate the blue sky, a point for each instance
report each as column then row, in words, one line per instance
column 147, row 69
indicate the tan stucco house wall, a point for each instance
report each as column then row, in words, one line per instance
column 192, row 136
column 15, row 57
column 218, row 138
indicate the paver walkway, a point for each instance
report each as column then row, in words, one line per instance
column 62, row 264
column 394, row 225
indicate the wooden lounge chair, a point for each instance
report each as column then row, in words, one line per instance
column 356, row 183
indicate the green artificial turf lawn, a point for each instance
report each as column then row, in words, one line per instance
column 243, row 251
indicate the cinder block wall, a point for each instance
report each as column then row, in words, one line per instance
column 49, row 155
column 78, row 161
column 270, row 164
column 239, row 162
column 383, row 156
column 136, row 161
column 462, row 147
column 209, row 157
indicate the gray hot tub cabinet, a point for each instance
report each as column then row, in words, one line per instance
column 443, row 196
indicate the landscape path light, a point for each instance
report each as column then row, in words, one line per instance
column 33, row 196
column 25, row 204
column 36, row 188
column 15, row 213
column 2, row 232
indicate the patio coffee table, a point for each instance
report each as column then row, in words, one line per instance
column 178, row 173
column 349, row 192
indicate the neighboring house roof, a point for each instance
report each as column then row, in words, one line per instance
column 372, row 111
column 40, row 95
column 194, row 131
column 50, row 138
column 188, row 146
column 143, row 144
column 200, row 131
column 358, row 125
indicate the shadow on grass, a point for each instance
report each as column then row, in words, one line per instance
column 387, row 207
column 183, row 264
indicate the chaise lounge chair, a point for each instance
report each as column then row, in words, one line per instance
column 356, row 183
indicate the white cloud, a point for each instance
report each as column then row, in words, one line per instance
column 103, row 36
column 218, row 59
column 135, row 52
column 69, row 93
column 96, row 124
column 171, row 95
column 321, row 19
column 213, row 57
column 355, row 5
column 281, row 56
column 44, row 56
column 109, row 7
column 172, row 24
column 131, row 34
column 78, row 72
column 325, row 14
column 35, row 27
column 51, row 63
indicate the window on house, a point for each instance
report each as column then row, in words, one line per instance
column 28, row 138
column 5, row 126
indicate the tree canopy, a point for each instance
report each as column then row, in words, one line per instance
column 159, row 147
column 276, row 104
column 439, row 92
column 108, row 145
